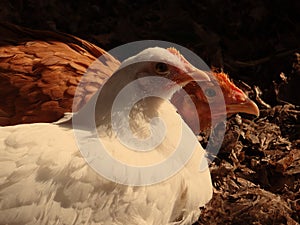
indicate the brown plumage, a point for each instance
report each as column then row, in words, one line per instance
column 40, row 71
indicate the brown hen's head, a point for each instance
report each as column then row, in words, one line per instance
column 212, row 95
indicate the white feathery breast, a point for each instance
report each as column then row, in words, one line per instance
column 45, row 179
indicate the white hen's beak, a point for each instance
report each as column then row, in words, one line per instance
column 194, row 75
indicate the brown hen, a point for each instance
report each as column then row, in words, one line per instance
column 40, row 71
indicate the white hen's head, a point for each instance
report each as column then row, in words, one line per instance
column 152, row 72
column 163, row 63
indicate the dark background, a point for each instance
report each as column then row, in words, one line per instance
column 253, row 41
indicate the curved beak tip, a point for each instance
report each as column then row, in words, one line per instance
column 253, row 108
column 248, row 107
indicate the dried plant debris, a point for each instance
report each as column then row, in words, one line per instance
column 243, row 203
column 257, row 171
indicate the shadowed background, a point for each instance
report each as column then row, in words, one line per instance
column 252, row 40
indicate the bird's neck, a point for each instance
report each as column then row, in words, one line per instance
column 105, row 109
column 138, row 116
column 146, row 141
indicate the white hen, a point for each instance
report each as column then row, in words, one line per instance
column 44, row 179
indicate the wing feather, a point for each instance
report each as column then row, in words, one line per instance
column 40, row 71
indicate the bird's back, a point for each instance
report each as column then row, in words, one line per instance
column 40, row 71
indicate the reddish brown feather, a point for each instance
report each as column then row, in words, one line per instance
column 40, row 71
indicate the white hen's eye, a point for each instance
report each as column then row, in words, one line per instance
column 161, row 68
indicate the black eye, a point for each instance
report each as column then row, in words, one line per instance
column 209, row 92
column 161, row 68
